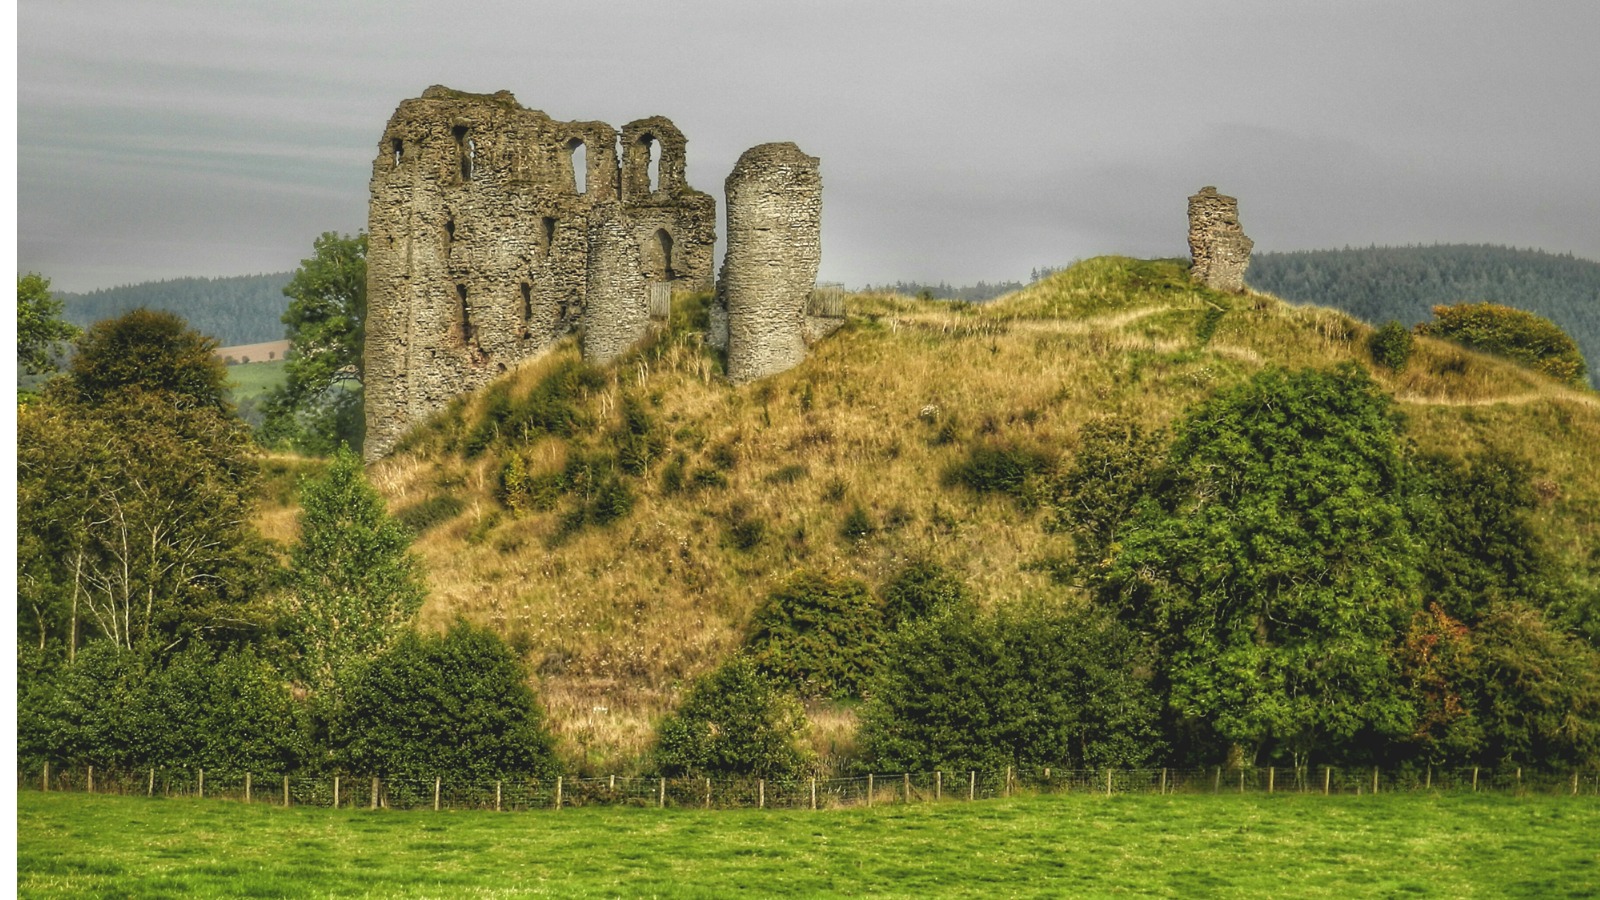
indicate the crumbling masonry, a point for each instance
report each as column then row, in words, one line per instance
column 495, row 230
column 1217, row 243
column 486, row 240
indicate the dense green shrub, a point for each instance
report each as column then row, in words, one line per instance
column 553, row 407
column 638, row 440
column 1021, row 473
column 816, row 635
column 1117, row 464
column 116, row 709
column 735, row 721
column 919, row 589
column 1029, row 686
column 456, row 704
column 1527, row 338
column 858, row 524
column 1273, row 565
column 1391, row 346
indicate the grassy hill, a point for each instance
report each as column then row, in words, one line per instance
column 1404, row 283
column 711, row 494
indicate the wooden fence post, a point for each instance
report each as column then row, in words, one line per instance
column 202, row 784
column 1474, row 779
column 558, row 792
column 1327, row 779
column 1108, row 782
column 374, row 804
column 662, row 802
column 285, row 792
column 1574, row 782
column 938, row 784
column 1163, row 781
column 152, row 790
column 1216, row 782
column 972, row 785
column 247, row 787
column 761, row 793
column 1272, row 778
column 1374, row 781
column 44, row 783
column 1428, row 785
column 813, row 792
column 335, row 792
column 1519, row 779
column 437, row 783
column 497, row 796
column 1241, row 779
column 91, row 779
column 907, row 777
column 1008, row 781
column 708, row 793
column 869, row 787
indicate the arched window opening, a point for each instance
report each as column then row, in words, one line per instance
column 466, row 314
column 580, row 165
column 527, row 309
column 549, row 233
column 656, row 256
column 654, row 169
column 449, row 233
column 398, row 146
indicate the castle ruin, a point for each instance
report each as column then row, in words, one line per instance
column 489, row 226
column 1217, row 243
column 495, row 230
column 774, row 248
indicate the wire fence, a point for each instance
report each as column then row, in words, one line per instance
column 443, row 793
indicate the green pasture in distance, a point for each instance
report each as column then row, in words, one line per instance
column 255, row 379
column 1412, row 845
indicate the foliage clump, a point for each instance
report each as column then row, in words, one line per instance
column 920, row 588
column 1515, row 334
column 1391, row 346
column 456, row 704
column 1031, row 685
column 817, row 635
column 1021, row 473
column 354, row 585
column 735, row 721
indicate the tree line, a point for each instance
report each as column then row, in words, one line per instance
column 1377, row 284
column 244, row 309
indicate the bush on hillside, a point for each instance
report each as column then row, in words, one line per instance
column 735, row 721
column 922, row 587
column 1391, row 346
column 1527, row 338
column 1021, row 473
column 456, row 704
column 817, row 636
column 1029, row 686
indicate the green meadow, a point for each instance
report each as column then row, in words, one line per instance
column 1404, row 845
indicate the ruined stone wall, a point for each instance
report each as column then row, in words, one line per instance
column 1217, row 243
column 617, row 308
column 774, row 197
column 479, row 241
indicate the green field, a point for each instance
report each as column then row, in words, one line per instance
column 255, row 379
column 1413, row 845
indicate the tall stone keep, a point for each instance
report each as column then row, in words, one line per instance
column 480, row 227
column 774, row 197
column 1217, row 243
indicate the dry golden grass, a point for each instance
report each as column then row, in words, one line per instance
column 616, row 621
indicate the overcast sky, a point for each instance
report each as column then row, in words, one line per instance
column 959, row 141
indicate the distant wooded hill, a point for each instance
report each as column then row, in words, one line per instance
column 245, row 309
column 1404, row 283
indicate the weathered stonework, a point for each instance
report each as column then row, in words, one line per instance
column 479, row 243
column 774, row 197
column 616, row 311
column 1217, row 242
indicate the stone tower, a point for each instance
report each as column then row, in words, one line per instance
column 774, row 197
column 481, row 217
column 1217, row 242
